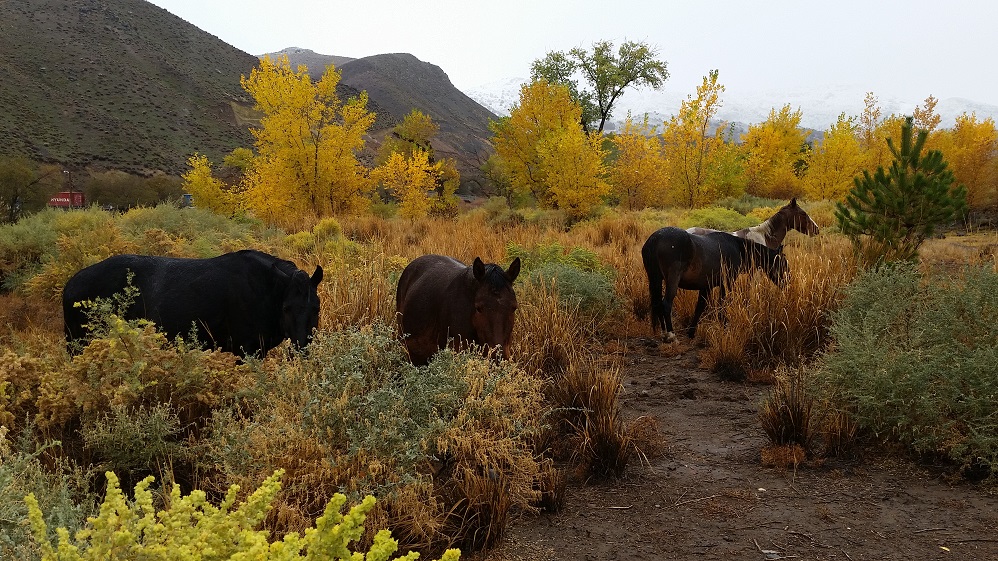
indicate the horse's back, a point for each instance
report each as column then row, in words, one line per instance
column 669, row 252
column 426, row 278
column 423, row 288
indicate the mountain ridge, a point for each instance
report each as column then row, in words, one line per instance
column 820, row 108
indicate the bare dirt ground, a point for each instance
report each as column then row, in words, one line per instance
column 708, row 496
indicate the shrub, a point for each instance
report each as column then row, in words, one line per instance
column 788, row 414
column 355, row 416
column 914, row 360
column 746, row 203
column 583, row 285
column 498, row 212
column 716, row 218
column 60, row 487
column 589, row 294
column 40, row 253
column 192, row 528
column 541, row 254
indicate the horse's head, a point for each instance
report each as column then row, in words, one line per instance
column 300, row 306
column 495, row 304
column 797, row 219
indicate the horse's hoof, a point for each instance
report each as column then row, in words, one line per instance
column 670, row 337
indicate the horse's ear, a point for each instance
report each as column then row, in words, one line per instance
column 514, row 269
column 793, row 201
column 317, row 276
column 478, row 267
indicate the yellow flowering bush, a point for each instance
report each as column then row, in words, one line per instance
column 191, row 528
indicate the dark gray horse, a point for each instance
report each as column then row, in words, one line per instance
column 694, row 262
column 441, row 300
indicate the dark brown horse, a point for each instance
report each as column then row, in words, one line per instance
column 694, row 262
column 773, row 230
column 441, row 300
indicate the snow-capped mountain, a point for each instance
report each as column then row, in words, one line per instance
column 819, row 108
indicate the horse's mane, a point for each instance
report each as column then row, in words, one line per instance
column 495, row 277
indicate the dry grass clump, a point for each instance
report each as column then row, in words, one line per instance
column 839, row 433
column 600, row 442
column 788, row 415
column 764, row 325
column 783, row 456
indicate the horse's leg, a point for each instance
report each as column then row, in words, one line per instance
column 671, row 289
column 702, row 300
column 654, row 272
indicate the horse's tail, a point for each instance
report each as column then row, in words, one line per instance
column 655, row 278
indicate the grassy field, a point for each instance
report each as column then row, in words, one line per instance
column 452, row 450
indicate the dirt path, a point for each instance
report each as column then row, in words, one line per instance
column 708, row 496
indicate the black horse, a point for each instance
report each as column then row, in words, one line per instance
column 441, row 300
column 245, row 302
column 700, row 262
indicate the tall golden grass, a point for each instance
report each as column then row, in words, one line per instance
column 757, row 328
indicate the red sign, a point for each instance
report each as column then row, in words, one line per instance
column 62, row 200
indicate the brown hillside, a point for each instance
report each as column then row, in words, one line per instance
column 398, row 83
column 123, row 84
column 401, row 82
column 116, row 83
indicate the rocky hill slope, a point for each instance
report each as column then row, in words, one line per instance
column 117, row 84
column 123, row 84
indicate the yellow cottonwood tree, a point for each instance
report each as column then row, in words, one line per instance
column 775, row 151
column 697, row 159
column 576, row 174
column 880, row 155
column 209, row 192
column 410, row 180
column 835, row 161
column 546, row 153
column 306, row 145
column 925, row 115
column 414, row 135
column 638, row 171
column 971, row 148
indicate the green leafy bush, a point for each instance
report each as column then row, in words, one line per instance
column 541, row 254
column 61, row 490
column 582, row 282
column 591, row 294
column 192, row 528
column 716, row 218
column 914, row 360
column 498, row 212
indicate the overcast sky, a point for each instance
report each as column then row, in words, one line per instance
column 904, row 49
